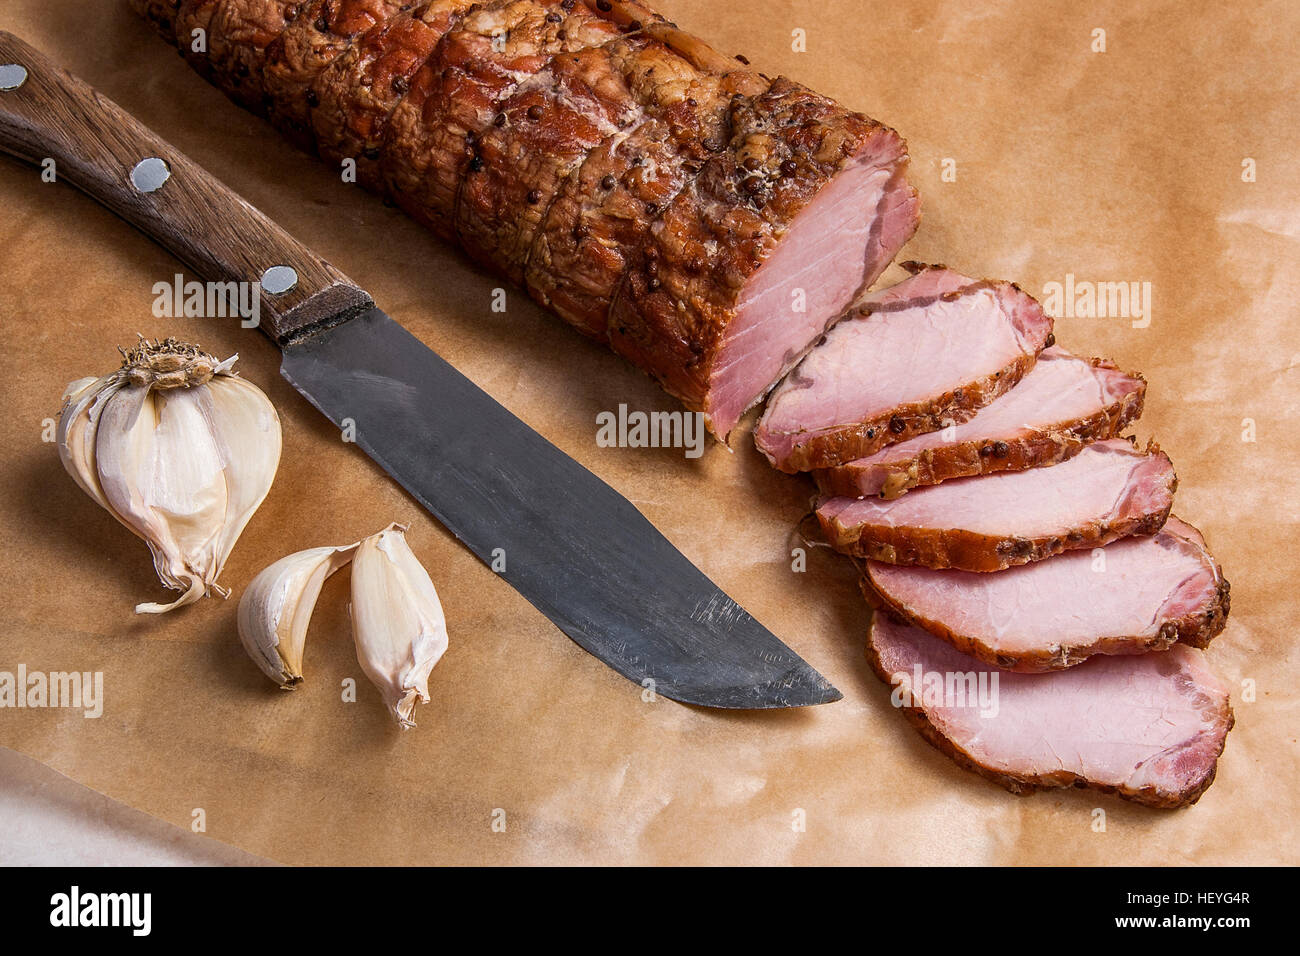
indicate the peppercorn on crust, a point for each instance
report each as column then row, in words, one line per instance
column 321, row 31
column 359, row 90
column 602, row 217
column 433, row 136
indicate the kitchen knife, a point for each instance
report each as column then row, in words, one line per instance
column 570, row 544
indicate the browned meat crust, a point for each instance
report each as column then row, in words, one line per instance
column 432, row 137
column 967, row 550
column 237, row 35
column 359, row 90
column 322, row 31
column 541, row 134
column 603, row 214
column 709, row 152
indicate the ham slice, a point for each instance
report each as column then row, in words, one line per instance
column 1135, row 595
column 931, row 350
column 1149, row 729
column 1110, row 490
column 1060, row 405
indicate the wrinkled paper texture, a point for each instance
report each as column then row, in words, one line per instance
column 1161, row 152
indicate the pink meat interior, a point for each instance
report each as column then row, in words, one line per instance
column 872, row 364
column 1106, row 482
column 1152, row 721
column 1076, row 598
column 827, row 257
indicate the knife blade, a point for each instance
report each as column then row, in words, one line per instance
column 568, row 542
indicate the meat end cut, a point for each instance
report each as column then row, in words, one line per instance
column 762, row 251
column 1110, row 490
column 1060, row 405
column 913, row 358
column 1136, row 595
column 1149, row 729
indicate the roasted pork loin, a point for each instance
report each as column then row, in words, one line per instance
column 1150, row 729
column 913, row 358
column 1060, row 405
column 707, row 222
column 1109, row 490
column 1135, row 595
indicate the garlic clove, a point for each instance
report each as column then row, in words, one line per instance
column 277, row 606
column 397, row 621
column 248, row 436
column 160, row 470
column 83, row 402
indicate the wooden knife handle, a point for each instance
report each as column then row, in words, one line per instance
column 48, row 114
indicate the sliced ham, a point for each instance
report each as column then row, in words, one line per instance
column 1110, row 490
column 1060, row 405
column 924, row 353
column 1136, row 595
column 1149, row 729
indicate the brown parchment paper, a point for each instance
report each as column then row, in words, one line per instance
column 1125, row 165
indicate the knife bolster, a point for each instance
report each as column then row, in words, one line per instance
column 325, row 309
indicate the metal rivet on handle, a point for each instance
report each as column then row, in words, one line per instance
column 278, row 279
column 12, row 76
column 149, row 174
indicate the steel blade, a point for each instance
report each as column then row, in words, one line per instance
column 575, row 548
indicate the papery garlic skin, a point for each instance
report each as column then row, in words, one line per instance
column 397, row 621
column 276, row 608
column 180, row 450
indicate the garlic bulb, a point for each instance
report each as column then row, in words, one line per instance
column 397, row 621
column 178, row 448
column 277, row 606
